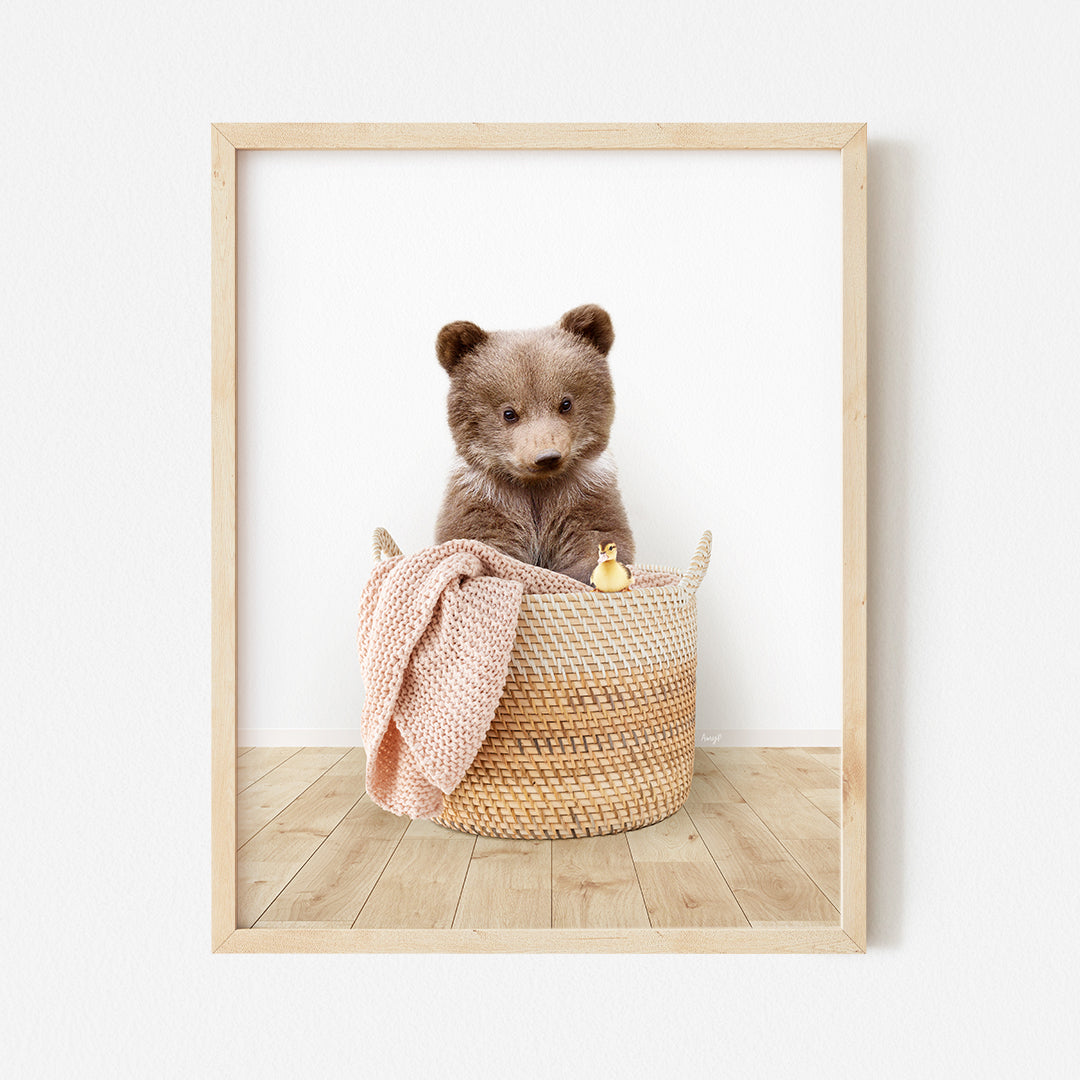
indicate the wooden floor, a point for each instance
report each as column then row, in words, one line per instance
column 757, row 844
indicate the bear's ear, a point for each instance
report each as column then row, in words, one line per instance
column 455, row 341
column 593, row 324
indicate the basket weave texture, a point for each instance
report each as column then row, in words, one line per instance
column 594, row 732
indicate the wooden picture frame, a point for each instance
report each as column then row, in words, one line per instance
column 227, row 140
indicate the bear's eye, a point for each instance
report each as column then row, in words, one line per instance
column 509, row 415
column 565, row 405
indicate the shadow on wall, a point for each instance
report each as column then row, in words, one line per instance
column 895, row 246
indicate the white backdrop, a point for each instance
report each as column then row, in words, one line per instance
column 105, row 533
column 722, row 274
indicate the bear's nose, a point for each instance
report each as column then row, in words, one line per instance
column 548, row 459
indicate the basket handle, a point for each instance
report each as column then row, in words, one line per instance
column 695, row 574
column 383, row 546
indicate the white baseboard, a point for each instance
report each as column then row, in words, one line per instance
column 727, row 737
column 770, row 737
column 300, row 737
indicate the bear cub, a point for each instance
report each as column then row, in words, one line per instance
column 530, row 412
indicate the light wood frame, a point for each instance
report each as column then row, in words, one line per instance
column 849, row 935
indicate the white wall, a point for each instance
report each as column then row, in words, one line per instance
column 104, row 527
column 722, row 274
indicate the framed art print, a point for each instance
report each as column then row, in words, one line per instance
column 731, row 259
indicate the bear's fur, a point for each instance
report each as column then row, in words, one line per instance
column 530, row 412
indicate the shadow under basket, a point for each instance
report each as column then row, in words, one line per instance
column 594, row 733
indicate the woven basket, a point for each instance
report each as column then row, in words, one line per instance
column 594, row 732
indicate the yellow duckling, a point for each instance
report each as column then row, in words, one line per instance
column 610, row 575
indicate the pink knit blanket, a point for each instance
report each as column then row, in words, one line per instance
column 435, row 637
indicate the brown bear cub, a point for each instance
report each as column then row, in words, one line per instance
column 530, row 412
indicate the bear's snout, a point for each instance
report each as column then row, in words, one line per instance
column 540, row 447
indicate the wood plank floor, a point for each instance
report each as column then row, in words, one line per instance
column 757, row 844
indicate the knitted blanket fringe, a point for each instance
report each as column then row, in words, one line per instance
column 436, row 630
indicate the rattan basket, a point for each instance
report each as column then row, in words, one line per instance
column 594, row 732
